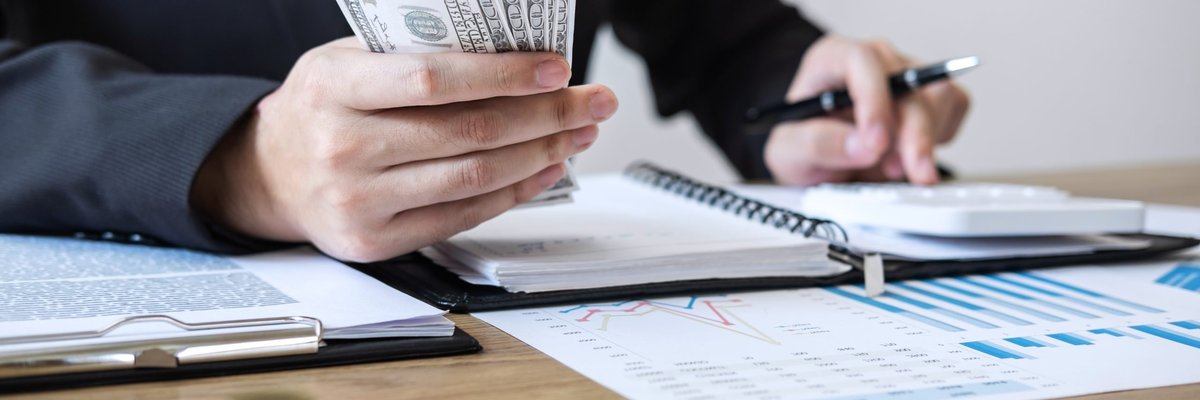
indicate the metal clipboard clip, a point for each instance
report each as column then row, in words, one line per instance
column 303, row 337
column 870, row 262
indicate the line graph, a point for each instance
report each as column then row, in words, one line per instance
column 711, row 311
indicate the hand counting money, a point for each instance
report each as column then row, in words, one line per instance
column 469, row 26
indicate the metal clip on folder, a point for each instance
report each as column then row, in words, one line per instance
column 871, row 264
column 303, row 336
column 873, row 281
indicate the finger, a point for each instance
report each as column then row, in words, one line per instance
column 348, row 42
column 915, row 144
column 440, row 221
column 363, row 80
column 449, row 179
column 818, row 143
column 411, row 134
column 949, row 104
column 866, row 81
column 877, row 174
column 904, row 60
column 893, row 167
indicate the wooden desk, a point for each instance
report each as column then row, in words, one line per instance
column 1168, row 184
column 509, row 369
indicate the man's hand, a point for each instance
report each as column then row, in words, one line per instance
column 369, row 156
column 882, row 139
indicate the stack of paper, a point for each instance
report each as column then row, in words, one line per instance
column 622, row 232
column 52, row 285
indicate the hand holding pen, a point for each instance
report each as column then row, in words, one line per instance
column 890, row 132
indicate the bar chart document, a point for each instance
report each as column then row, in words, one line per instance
column 1007, row 336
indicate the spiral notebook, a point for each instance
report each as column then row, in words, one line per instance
column 652, row 231
column 624, row 230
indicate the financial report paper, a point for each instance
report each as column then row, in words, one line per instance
column 1044, row 333
column 1014, row 336
column 52, row 285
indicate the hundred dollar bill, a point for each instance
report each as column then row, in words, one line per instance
column 518, row 24
column 469, row 26
column 535, row 13
column 562, row 20
column 496, row 26
column 472, row 26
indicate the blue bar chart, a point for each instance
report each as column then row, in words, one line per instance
column 1071, row 339
column 1039, row 315
column 895, row 310
column 965, row 304
column 998, row 351
column 1028, row 342
column 1063, row 314
column 1008, row 292
column 1042, row 334
column 1090, row 293
column 992, row 302
column 1187, row 324
column 1185, row 276
column 1057, row 295
column 1176, row 332
column 1114, row 333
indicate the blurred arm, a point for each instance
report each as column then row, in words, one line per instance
column 93, row 142
column 715, row 59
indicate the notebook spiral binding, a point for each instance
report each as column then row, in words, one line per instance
column 726, row 200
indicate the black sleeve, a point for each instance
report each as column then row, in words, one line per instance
column 716, row 59
column 91, row 141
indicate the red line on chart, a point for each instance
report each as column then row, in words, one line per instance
column 720, row 317
column 725, row 319
column 718, row 313
column 598, row 310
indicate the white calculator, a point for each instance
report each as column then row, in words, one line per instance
column 971, row 209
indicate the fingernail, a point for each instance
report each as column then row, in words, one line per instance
column 552, row 74
column 584, row 137
column 549, row 176
column 603, row 105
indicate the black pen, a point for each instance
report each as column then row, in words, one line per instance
column 833, row 100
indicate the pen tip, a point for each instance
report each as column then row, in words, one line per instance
column 961, row 64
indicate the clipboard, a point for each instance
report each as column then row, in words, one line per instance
column 292, row 342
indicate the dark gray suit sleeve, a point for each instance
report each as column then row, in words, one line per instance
column 91, row 141
column 715, row 59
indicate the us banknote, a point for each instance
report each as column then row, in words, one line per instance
column 469, row 26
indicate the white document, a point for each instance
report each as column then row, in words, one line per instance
column 1045, row 333
column 55, row 285
column 928, row 247
column 836, row 343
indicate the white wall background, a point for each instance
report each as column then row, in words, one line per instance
column 1065, row 84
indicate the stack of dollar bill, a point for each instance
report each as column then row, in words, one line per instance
column 470, row 26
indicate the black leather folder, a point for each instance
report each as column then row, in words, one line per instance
column 421, row 278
